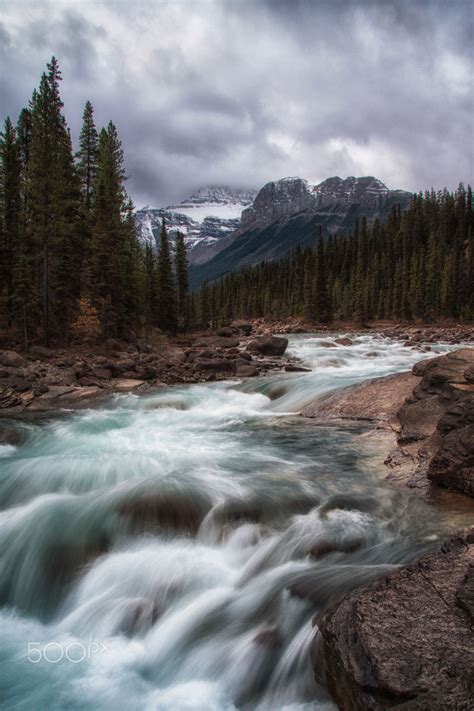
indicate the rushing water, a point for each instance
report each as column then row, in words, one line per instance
column 110, row 602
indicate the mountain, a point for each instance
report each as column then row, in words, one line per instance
column 205, row 218
column 288, row 212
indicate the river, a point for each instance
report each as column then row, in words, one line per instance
column 108, row 602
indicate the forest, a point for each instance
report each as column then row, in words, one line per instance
column 417, row 266
column 72, row 267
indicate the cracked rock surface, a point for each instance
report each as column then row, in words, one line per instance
column 404, row 641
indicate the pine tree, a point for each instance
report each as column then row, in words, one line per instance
column 52, row 192
column 86, row 156
column 167, row 304
column 10, row 205
column 182, row 284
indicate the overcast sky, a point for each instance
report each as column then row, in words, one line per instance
column 246, row 91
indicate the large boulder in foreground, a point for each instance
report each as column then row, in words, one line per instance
column 404, row 641
column 269, row 345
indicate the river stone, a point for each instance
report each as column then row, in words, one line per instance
column 225, row 331
column 217, row 342
column 12, row 359
column 247, row 371
column 404, row 640
column 219, row 365
column 269, row 345
column 170, row 511
column 41, row 351
column 343, row 341
column 127, row 383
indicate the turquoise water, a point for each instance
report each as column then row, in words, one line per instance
column 170, row 551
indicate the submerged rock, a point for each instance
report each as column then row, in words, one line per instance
column 169, row 511
column 404, row 640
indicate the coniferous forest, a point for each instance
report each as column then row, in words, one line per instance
column 72, row 266
column 71, row 263
column 417, row 266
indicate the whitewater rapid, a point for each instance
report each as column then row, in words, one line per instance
column 170, row 551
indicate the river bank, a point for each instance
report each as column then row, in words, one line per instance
column 43, row 380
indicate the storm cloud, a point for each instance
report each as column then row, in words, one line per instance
column 245, row 91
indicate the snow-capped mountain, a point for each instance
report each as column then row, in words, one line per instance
column 205, row 218
column 290, row 212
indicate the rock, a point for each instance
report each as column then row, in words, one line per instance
column 88, row 382
column 83, row 393
column 343, row 341
column 243, row 326
column 404, row 640
column 41, row 351
column 127, row 383
column 296, row 368
column 4, row 373
column 327, row 344
column 246, row 371
column 10, row 435
column 409, row 344
column 172, row 354
column 12, row 359
column 169, row 511
column 101, row 373
column 217, row 342
column 378, row 399
column 453, row 464
column 269, row 345
column 225, row 331
column 221, row 365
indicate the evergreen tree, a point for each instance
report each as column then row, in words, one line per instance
column 182, row 285
column 87, row 154
column 167, row 304
column 10, row 205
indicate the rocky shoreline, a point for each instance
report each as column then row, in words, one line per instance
column 44, row 380
column 405, row 640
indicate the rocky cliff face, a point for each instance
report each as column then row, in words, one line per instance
column 290, row 196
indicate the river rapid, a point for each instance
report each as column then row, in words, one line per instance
column 110, row 602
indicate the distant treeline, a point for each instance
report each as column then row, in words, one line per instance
column 419, row 265
column 70, row 260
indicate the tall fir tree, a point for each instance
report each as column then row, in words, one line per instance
column 182, row 283
column 10, row 217
column 167, row 303
column 86, row 156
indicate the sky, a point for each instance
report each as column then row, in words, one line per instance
column 241, row 92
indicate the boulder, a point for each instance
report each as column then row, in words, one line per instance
column 453, row 464
column 169, row 511
column 225, row 331
column 12, row 359
column 219, row 365
column 243, row 326
column 127, row 383
column 343, row 341
column 296, row 368
column 41, row 351
column 404, row 640
column 246, row 371
column 269, row 345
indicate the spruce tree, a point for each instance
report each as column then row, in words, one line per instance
column 86, row 156
column 10, row 206
column 167, row 304
column 182, row 284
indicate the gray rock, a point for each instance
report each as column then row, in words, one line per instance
column 12, row 359
column 405, row 640
column 269, row 345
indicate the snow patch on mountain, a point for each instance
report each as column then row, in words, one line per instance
column 204, row 218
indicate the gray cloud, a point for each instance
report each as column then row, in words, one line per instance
column 245, row 91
